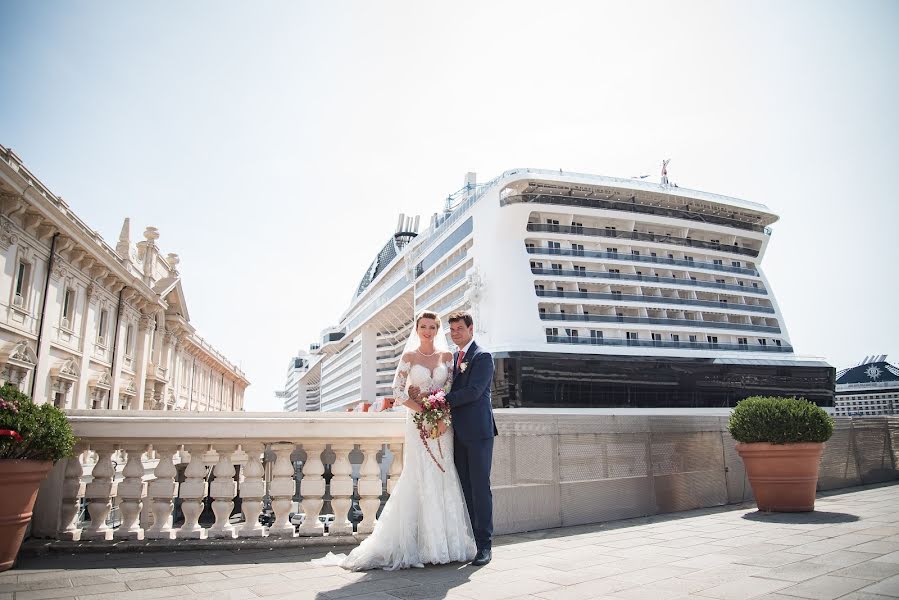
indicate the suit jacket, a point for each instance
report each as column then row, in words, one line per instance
column 469, row 398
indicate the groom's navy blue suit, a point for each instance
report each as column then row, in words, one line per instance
column 473, row 433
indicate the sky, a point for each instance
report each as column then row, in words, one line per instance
column 274, row 143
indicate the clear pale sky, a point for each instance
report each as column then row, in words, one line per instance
column 274, row 143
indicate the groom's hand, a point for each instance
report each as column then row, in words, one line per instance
column 414, row 392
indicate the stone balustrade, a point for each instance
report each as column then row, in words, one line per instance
column 163, row 462
column 551, row 468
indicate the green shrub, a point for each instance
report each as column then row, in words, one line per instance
column 779, row 421
column 44, row 430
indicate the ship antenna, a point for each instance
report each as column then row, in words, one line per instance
column 665, row 171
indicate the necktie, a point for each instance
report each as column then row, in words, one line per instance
column 461, row 356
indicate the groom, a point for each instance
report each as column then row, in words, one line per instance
column 473, row 429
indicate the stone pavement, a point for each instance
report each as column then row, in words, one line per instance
column 848, row 549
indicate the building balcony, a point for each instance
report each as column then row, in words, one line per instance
column 604, row 341
column 691, row 323
column 653, row 300
column 643, row 259
column 642, row 237
column 648, row 279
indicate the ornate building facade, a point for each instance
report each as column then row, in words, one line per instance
column 87, row 325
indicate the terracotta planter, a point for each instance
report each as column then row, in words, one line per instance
column 783, row 476
column 21, row 479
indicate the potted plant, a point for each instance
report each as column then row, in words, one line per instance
column 32, row 438
column 781, row 441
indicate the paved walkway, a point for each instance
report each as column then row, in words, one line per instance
column 848, row 549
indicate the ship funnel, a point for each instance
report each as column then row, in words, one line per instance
column 415, row 224
column 399, row 223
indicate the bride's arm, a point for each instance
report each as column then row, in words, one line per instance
column 400, row 380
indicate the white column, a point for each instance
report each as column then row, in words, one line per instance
column 369, row 487
column 193, row 491
column 131, row 493
column 312, row 488
column 145, row 326
column 80, row 398
column 282, row 489
column 162, row 490
column 252, row 491
column 223, row 490
column 54, row 306
column 341, row 488
column 99, row 495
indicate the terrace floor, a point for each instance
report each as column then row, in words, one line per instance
column 847, row 549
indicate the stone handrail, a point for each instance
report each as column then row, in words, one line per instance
column 167, row 456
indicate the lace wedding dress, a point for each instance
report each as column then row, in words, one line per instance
column 425, row 519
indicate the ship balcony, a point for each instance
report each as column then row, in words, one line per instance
column 653, row 300
column 644, row 237
column 688, row 323
column 647, row 279
column 637, row 343
column 642, row 259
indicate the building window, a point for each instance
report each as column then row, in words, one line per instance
column 103, row 327
column 68, row 308
column 129, row 341
column 23, row 282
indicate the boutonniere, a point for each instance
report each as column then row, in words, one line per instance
column 462, row 367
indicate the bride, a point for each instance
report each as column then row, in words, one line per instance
column 425, row 519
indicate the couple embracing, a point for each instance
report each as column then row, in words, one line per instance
column 441, row 509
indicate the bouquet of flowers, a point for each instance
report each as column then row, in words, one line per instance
column 435, row 409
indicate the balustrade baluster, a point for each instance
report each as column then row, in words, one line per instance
column 252, row 491
column 131, row 493
column 99, row 494
column 396, row 466
column 341, row 489
column 282, row 489
column 162, row 492
column 193, row 492
column 312, row 488
column 369, row 487
column 223, row 490
column 72, row 491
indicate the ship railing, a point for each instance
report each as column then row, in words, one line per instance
column 647, row 279
column 657, row 321
column 653, row 300
column 605, row 341
column 643, row 259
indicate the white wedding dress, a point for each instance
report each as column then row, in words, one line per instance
column 425, row 519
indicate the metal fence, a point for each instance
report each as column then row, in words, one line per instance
column 559, row 470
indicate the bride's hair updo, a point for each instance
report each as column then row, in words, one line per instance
column 427, row 314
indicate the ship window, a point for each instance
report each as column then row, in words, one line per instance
column 614, row 270
column 635, row 252
column 552, row 222
column 583, row 290
column 755, row 284
column 572, row 333
column 719, row 281
column 536, row 265
column 741, row 341
column 777, row 343
column 612, row 250
column 542, row 311
column 657, row 337
column 693, row 339
column 688, row 258
column 692, row 278
column 596, row 335
column 553, row 245
column 561, row 311
column 640, row 273
column 580, row 269
column 736, row 263
column 632, row 335
column 539, row 287
column 616, row 292
column 713, row 339
column 763, row 342
column 560, row 289
column 556, row 266
column 718, row 261
column 578, row 227
column 552, row 331
column 529, row 245
column 740, row 283
column 652, row 254
column 675, row 337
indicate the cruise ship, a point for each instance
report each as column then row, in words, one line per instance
column 590, row 291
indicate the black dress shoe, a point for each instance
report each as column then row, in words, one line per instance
column 482, row 557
